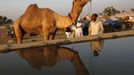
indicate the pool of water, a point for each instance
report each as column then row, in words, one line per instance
column 116, row 58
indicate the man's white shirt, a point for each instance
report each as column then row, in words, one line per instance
column 95, row 28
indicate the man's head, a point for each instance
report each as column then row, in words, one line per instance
column 94, row 17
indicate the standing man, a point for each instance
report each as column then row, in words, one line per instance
column 96, row 28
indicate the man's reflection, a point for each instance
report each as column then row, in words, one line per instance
column 96, row 46
column 50, row 56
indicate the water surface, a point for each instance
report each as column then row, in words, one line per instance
column 116, row 58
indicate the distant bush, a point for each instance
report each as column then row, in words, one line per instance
column 132, row 9
column 5, row 20
column 109, row 11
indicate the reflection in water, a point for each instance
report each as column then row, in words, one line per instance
column 49, row 56
column 96, row 46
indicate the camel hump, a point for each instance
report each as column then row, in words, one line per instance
column 31, row 8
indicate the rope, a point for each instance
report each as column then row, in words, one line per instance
column 89, row 7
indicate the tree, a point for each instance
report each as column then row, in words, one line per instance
column 123, row 11
column 9, row 21
column 110, row 11
column 5, row 20
column 132, row 9
column 100, row 13
column 1, row 20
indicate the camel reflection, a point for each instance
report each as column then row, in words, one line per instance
column 49, row 56
column 96, row 46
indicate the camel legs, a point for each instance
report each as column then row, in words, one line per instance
column 46, row 36
column 53, row 33
column 46, row 33
column 18, row 32
column 49, row 35
column 49, row 30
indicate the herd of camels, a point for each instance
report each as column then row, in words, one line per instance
column 45, row 21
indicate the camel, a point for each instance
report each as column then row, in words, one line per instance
column 50, row 56
column 45, row 21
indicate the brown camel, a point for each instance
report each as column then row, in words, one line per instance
column 45, row 21
column 50, row 56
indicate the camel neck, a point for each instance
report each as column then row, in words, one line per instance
column 73, row 15
column 77, row 7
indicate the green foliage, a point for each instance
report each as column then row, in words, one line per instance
column 110, row 11
column 4, row 20
column 132, row 9
column 123, row 11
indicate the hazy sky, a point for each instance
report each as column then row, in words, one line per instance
column 15, row 8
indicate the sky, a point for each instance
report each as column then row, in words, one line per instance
column 15, row 8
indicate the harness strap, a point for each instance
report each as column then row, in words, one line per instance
column 69, row 15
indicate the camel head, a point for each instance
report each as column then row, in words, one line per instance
column 77, row 7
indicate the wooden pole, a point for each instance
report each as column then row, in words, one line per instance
column 114, row 35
